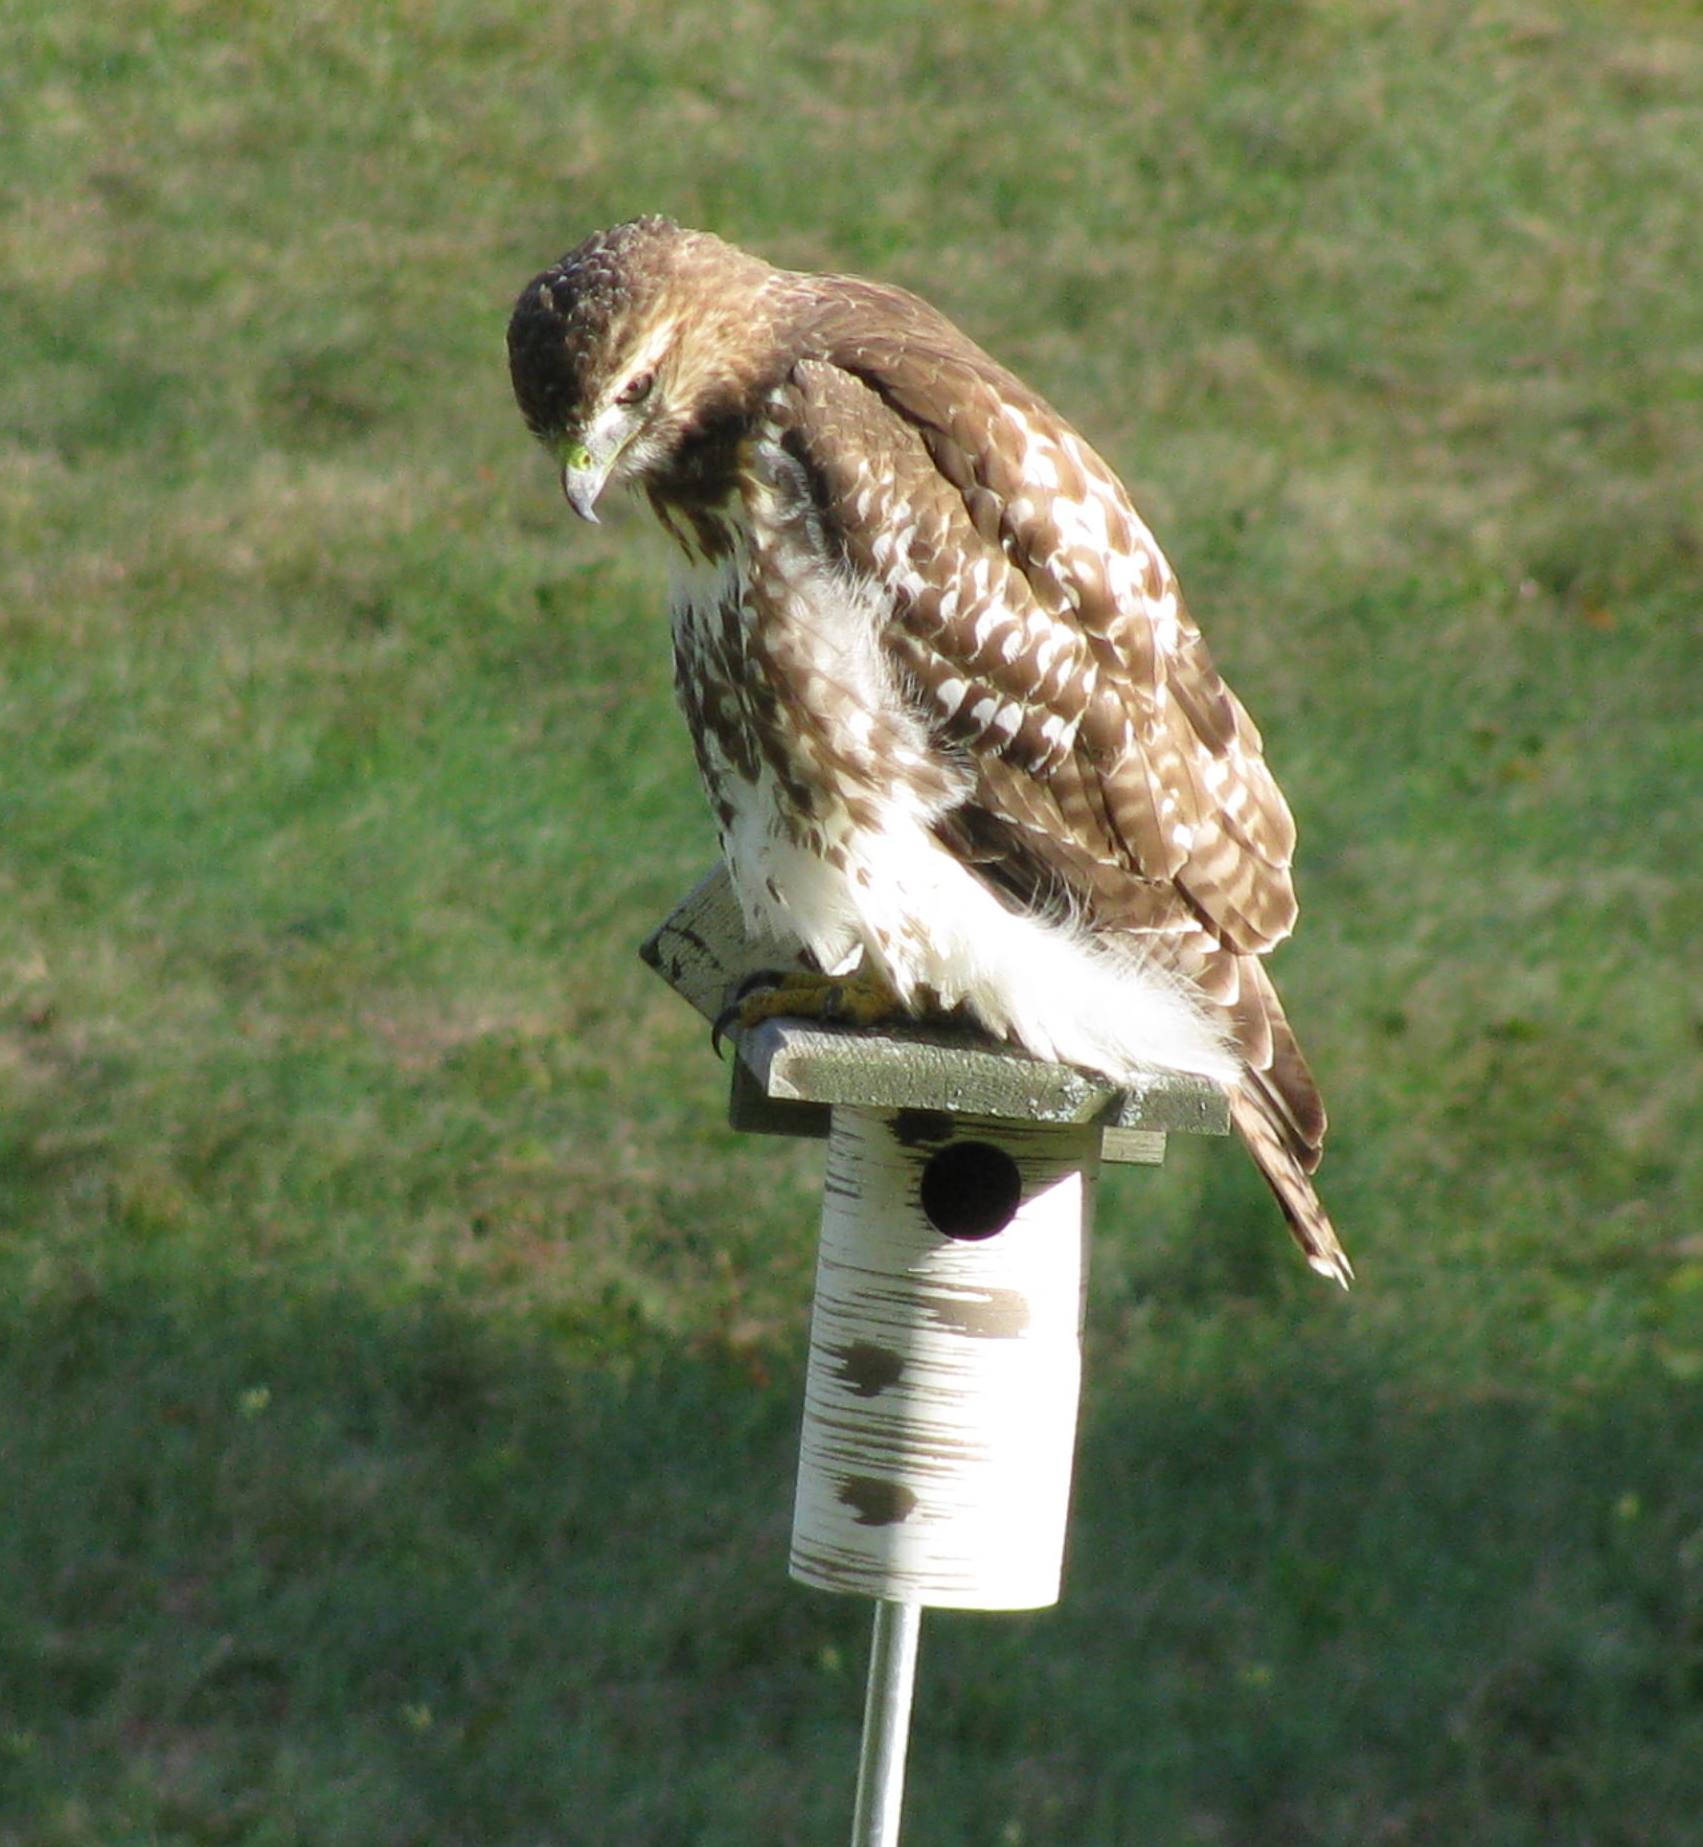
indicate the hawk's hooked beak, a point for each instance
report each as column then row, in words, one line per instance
column 584, row 471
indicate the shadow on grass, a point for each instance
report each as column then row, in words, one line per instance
column 298, row 1567
column 1316, row 1604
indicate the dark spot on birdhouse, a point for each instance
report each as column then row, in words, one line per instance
column 868, row 1368
column 876, row 1502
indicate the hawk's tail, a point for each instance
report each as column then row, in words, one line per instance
column 1262, row 1121
column 1277, row 1110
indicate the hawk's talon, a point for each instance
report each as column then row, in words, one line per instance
column 760, row 980
column 718, row 1027
column 857, row 999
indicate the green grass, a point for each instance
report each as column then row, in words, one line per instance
column 398, row 1360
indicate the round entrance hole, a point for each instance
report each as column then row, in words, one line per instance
column 971, row 1190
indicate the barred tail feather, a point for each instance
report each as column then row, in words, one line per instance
column 1260, row 1121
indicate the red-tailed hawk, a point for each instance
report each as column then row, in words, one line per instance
column 950, row 711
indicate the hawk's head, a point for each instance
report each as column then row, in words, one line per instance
column 635, row 341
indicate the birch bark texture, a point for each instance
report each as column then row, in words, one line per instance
column 945, row 1358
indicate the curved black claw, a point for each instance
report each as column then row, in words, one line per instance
column 753, row 983
column 723, row 1021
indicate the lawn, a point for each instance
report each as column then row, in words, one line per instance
column 399, row 1359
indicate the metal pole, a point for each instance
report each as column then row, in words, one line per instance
column 886, row 1723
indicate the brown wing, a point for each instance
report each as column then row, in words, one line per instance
column 1026, row 579
column 1039, row 628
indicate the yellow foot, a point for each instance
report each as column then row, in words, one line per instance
column 857, row 999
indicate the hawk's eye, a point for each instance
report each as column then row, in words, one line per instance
column 636, row 389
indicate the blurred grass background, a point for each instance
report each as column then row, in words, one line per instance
column 398, row 1360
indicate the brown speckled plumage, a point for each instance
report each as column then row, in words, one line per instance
column 919, row 617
